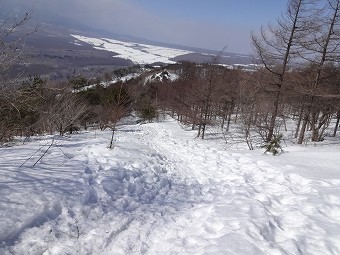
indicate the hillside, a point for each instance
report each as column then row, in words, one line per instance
column 161, row 191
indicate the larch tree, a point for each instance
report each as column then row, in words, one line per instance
column 321, row 50
column 277, row 46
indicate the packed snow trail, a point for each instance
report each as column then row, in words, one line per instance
column 160, row 191
column 250, row 207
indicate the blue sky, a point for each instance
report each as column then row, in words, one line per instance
column 226, row 22
column 211, row 24
column 244, row 12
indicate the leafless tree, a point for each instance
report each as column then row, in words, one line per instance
column 116, row 106
column 277, row 46
column 60, row 108
column 13, row 33
column 321, row 49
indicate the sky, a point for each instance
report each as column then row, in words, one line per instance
column 209, row 24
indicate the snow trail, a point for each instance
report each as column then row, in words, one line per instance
column 248, row 202
column 160, row 191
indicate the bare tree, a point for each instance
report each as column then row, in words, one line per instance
column 322, row 48
column 60, row 108
column 116, row 105
column 209, row 96
column 13, row 33
column 276, row 47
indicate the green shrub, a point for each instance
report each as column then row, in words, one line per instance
column 148, row 113
column 274, row 146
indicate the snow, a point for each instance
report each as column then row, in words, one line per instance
column 162, row 191
column 105, row 84
column 162, row 76
column 137, row 52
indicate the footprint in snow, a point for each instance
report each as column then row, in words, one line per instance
column 88, row 170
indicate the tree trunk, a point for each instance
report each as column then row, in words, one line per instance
column 274, row 113
column 324, row 126
column 303, row 128
column 200, row 124
column 337, row 123
column 113, row 133
column 298, row 124
column 61, row 131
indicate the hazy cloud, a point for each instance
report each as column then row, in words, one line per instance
column 128, row 17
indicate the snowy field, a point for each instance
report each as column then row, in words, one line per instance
column 161, row 191
column 137, row 52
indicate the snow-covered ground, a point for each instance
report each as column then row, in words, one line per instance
column 161, row 191
column 137, row 52
column 162, row 76
column 110, row 82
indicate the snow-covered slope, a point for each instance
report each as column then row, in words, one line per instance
column 161, row 191
column 137, row 52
